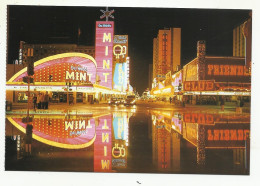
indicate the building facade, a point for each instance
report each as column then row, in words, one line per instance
column 166, row 52
column 242, row 41
column 68, row 71
column 207, row 79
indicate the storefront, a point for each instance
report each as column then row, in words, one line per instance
column 222, row 78
column 63, row 76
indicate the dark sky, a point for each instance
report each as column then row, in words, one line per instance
column 53, row 24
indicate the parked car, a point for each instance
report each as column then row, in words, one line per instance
column 130, row 100
column 120, row 100
column 113, row 101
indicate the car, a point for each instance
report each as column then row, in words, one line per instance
column 130, row 100
column 120, row 101
column 113, row 101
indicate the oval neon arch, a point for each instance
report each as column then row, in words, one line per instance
column 57, row 65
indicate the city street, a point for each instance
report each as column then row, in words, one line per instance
column 107, row 90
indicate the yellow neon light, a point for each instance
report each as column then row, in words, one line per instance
column 53, row 143
column 58, row 56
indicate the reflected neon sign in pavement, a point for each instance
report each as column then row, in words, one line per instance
column 63, row 133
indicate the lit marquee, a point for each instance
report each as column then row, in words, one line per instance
column 74, row 67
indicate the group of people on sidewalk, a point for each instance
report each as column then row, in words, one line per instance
column 41, row 101
column 174, row 101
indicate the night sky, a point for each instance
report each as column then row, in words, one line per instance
column 53, row 24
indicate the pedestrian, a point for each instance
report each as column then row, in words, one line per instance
column 38, row 101
column 34, row 102
column 222, row 103
column 28, row 139
column 241, row 105
column 71, row 98
column 170, row 100
column 42, row 101
column 46, row 100
column 238, row 105
column 183, row 101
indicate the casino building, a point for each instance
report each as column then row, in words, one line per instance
column 65, row 71
column 207, row 78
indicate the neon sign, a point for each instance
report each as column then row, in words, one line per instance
column 62, row 67
column 199, row 86
column 227, row 70
column 120, row 47
column 119, row 50
column 120, row 80
column 104, row 52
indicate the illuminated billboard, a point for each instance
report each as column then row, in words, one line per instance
column 72, row 67
column 120, row 48
column 223, row 69
column 120, row 78
column 104, row 52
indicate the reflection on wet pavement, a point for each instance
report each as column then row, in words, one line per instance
column 128, row 140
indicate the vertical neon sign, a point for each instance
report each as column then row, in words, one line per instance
column 104, row 52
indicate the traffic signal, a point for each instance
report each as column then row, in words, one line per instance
column 30, row 68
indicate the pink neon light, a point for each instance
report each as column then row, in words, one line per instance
column 64, row 61
column 104, row 27
column 104, row 128
column 72, row 140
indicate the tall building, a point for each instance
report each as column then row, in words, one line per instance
column 242, row 41
column 166, row 52
column 238, row 42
